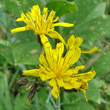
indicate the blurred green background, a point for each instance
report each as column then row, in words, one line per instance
column 20, row 51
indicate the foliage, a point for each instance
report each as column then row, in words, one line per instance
column 21, row 51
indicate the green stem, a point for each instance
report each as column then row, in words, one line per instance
column 58, row 104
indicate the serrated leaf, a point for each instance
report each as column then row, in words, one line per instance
column 62, row 7
column 102, row 65
column 27, row 53
column 6, row 51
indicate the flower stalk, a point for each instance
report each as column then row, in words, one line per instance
column 58, row 103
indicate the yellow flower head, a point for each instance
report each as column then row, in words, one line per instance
column 41, row 23
column 55, row 67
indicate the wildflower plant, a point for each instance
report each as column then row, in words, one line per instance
column 50, row 59
column 56, row 67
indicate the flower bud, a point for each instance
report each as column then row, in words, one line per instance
column 30, row 86
column 22, row 82
column 32, row 92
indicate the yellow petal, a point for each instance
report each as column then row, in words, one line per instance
column 64, row 24
column 47, row 46
column 49, row 55
column 71, row 42
column 79, row 67
column 36, row 9
column 19, row 19
column 75, row 56
column 44, row 14
column 71, row 71
column 29, row 16
column 91, row 50
column 55, row 91
column 74, row 70
column 52, row 82
column 51, row 60
column 33, row 72
column 56, row 35
column 56, row 19
column 19, row 29
column 72, row 85
column 84, row 94
column 43, row 61
column 43, row 38
column 68, row 86
column 85, row 76
column 60, row 49
column 74, row 42
column 45, row 73
column 72, row 56
column 23, row 16
column 60, row 82
column 58, row 52
column 51, row 16
column 45, row 77
column 79, row 41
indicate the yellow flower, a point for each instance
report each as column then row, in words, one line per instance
column 57, row 69
column 41, row 23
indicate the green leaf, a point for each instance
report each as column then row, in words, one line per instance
column 42, row 96
column 5, row 97
column 107, row 78
column 96, row 28
column 16, row 6
column 21, row 103
column 107, row 91
column 1, row 106
column 62, row 7
column 27, row 53
column 3, row 18
column 6, row 51
column 90, row 20
column 71, row 97
column 93, row 92
column 23, row 37
column 79, row 106
column 102, row 65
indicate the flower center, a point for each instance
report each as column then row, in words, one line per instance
column 58, row 72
